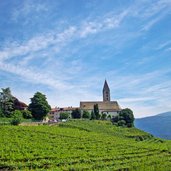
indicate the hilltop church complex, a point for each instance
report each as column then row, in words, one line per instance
column 106, row 106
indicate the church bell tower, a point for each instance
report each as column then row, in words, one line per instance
column 106, row 92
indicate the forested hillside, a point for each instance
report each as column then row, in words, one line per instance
column 158, row 125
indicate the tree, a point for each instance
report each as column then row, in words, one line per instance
column 103, row 116
column 64, row 115
column 27, row 114
column 121, row 123
column 6, row 102
column 96, row 111
column 128, row 116
column 86, row 114
column 76, row 114
column 39, row 106
column 124, row 118
column 115, row 119
column 93, row 116
column 1, row 112
column 16, row 117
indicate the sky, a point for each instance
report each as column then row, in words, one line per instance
column 66, row 49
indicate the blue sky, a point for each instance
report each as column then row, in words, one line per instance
column 67, row 48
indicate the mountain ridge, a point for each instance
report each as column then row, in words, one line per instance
column 159, row 125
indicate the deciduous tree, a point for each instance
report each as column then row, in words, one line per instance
column 76, row 114
column 6, row 102
column 39, row 106
column 124, row 118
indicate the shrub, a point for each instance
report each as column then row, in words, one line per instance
column 104, row 116
column 86, row 114
column 16, row 117
column 64, row 115
column 115, row 118
column 109, row 117
column 27, row 114
column 121, row 123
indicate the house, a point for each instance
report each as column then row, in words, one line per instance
column 55, row 112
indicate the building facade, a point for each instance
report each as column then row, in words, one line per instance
column 54, row 114
column 106, row 106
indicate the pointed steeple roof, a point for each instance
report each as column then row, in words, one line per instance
column 105, row 87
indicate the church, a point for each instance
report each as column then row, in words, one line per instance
column 106, row 106
column 110, row 108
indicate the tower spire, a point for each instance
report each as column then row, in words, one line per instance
column 106, row 92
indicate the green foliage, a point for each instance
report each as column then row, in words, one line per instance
column 1, row 112
column 109, row 117
column 124, row 118
column 6, row 102
column 127, row 115
column 96, row 111
column 104, row 116
column 39, row 106
column 64, row 115
column 121, row 123
column 76, row 114
column 94, row 145
column 86, row 114
column 93, row 116
column 16, row 117
column 26, row 114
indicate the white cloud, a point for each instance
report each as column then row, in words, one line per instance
column 37, row 43
column 34, row 76
column 28, row 7
column 151, row 23
column 60, row 69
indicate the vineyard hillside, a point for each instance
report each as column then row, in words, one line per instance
column 82, row 145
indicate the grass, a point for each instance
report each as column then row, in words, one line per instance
column 7, row 121
column 82, row 145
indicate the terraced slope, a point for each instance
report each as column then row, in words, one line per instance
column 82, row 145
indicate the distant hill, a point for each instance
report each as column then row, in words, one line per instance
column 158, row 125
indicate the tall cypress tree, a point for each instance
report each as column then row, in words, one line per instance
column 93, row 116
column 96, row 111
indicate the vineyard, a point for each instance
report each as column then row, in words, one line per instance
column 82, row 145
